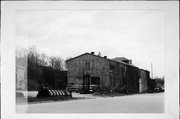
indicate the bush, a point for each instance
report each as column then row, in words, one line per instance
column 33, row 85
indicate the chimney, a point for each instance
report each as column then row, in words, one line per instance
column 105, row 56
column 92, row 53
column 130, row 61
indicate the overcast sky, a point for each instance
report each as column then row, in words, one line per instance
column 134, row 34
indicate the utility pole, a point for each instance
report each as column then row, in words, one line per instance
column 151, row 70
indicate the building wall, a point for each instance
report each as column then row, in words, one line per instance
column 143, row 80
column 113, row 75
column 55, row 79
column 88, row 64
column 132, row 79
column 20, row 78
column 117, row 75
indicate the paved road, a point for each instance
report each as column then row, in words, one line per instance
column 139, row 103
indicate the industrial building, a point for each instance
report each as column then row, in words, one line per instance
column 119, row 74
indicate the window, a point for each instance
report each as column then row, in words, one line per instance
column 111, row 67
column 95, row 80
column 87, row 65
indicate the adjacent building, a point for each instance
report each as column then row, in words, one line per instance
column 21, row 82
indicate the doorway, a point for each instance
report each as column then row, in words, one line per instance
column 86, row 83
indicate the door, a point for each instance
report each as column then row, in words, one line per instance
column 86, row 83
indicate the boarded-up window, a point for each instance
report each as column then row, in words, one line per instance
column 87, row 65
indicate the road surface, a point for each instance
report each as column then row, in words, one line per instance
column 138, row 103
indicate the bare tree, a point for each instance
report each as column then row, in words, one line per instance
column 43, row 69
column 21, row 57
column 57, row 63
column 43, row 60
column 34, row 69
column 37, row 58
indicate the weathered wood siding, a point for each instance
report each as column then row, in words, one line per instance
column 143, row 80
column 117, row 75
column 132, row 79
column 97, row 67
column 113, row 75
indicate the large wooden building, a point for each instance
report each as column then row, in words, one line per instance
column 113, row 74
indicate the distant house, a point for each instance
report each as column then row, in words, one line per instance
column 21, row 82
column 113, row 74
column 21, row 73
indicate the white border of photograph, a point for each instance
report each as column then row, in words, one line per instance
column 171, row 9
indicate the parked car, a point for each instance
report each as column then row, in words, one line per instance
column 161, row 90
column 71, row 87
column 91, row 89
column 156, row 89
column 150, row 91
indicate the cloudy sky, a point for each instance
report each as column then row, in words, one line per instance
column 134, row 34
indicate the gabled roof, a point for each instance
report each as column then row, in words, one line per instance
column 86, row 54
column 77, row 57
column 101, row 57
